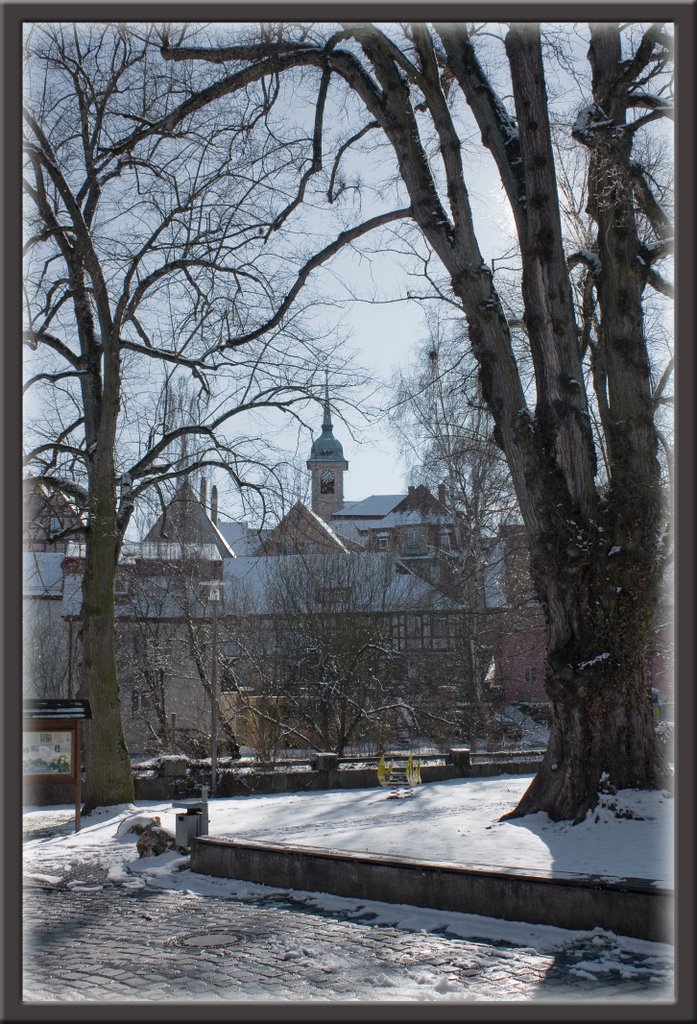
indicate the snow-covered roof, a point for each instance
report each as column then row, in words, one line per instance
column 327, row 529
column 42, row 573
column 239, row 537
column 350, row 530
column 251, row 583
column 225, row 549
column 376, row 506
column 188, row 520
column 412, row 517
column 56, row 709
column 171, row 551
column 156, row 596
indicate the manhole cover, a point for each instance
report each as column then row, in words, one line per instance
column 202, row 939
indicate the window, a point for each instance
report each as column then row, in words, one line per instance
column 413, row 539
column 398, row 631
column 440, row 627
column 210, row 591
column 383, row 541
column 333, row 597
column 140, row 701
column 530, row 674
column 419, row 632
column 56, row 524
column 121, row 589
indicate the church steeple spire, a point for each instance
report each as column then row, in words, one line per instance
column 327, row 421
column 327, row 464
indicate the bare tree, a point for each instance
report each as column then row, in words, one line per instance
column 332, row 662
column 445, row 433
column 147, row 265
column 341, row 651
column 595, row 550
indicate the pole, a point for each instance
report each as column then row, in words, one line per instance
column 78, row 773
column 214, row 700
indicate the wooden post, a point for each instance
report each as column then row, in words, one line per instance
column 77, row 762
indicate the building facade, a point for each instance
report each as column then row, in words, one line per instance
column 343, row 609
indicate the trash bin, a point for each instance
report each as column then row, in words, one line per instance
column 188, row 826
column 191, row 821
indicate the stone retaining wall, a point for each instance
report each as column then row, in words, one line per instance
column 625, row 906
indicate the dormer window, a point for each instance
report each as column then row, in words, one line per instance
column 413, row 539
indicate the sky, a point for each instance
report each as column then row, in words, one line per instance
column 384, row 331
column 454, row 821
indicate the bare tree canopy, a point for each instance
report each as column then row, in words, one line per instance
column 157, row 313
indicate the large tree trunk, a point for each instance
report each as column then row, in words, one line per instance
column 599, row 607
column 108, row 769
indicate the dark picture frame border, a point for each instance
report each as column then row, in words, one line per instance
column 683, row 15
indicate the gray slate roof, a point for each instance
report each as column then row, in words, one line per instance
column 239, row 537
column 412, row 517
column 376, row 506
column 251, row 583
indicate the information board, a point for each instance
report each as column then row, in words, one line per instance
column 48, row 752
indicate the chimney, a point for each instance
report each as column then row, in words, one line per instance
column 441, row 493
column 202, row 492
column 214, row 504
column 411, row 488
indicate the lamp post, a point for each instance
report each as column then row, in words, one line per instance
column 214, row 596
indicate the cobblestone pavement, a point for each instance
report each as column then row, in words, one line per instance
column 113, row 943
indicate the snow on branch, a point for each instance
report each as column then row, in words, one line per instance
column 588, row 259
column 590, row 119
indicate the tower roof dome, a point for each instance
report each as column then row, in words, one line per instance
column 326, row 448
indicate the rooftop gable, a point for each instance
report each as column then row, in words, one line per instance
column 185, row 520
column 302, row 530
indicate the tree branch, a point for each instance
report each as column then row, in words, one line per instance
column 342, row 240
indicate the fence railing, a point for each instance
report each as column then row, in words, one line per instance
column 178, row 775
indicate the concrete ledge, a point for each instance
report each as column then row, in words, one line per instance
column 626, row 906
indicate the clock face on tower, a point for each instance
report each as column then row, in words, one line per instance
column 326, row 482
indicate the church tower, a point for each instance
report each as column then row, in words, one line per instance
column 327, row 465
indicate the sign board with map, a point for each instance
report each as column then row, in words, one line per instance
column 48, row 753
column 51, row 746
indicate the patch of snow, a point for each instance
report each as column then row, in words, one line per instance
column 452, row 822
column 43, row 879
column 593, row 661
column 131, row 820
column 590, row 118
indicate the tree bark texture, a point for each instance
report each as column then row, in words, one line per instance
column 108, row 767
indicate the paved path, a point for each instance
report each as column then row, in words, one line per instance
column 116, row 943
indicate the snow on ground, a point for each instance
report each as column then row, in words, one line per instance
column 628, row 835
